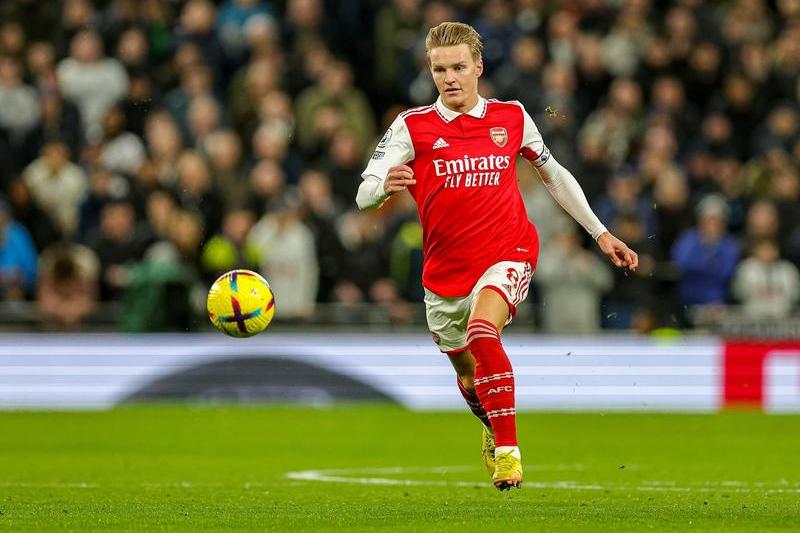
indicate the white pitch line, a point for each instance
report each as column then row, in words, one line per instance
column 340, row 476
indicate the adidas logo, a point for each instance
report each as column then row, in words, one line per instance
column 440, row 143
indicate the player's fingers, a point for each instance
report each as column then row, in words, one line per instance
column 633, row 263
column 402, row 182
column 402, row 169
column 398, row 178
column 400, row 175
column 399, row 185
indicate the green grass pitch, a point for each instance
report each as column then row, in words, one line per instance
column 381, row 468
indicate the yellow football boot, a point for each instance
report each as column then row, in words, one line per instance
column 507, row 472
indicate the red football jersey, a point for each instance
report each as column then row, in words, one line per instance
column 467, row 194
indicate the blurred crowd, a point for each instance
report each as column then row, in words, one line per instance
column 146, row 146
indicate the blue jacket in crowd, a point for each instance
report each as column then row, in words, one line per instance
column 706, row 269
column 17, row 253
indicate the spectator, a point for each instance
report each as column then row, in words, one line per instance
column 287, row 258
column 118, row 242
column 628, row 35
column 523, row 70
column 762, row 222
column 320, row 214
column 57, row 185
column 572, row 281
column 496, row 26
column 344, row 165
column 164, row 146
column 362, row 237
column 704, row 74
column 26, row 211
column 17, row 257
column 60, row 119
column 195, row 81
column 138, row 104
column 75, row 17
column 104, row 187
column 120, row 150
column 593, row 167
column 672, row 212
column 68, row 289
column 204, row 117
column 91, row 81
column 779, row 131
column 196, row 27
column 668, row 103
column 160, row 289
column 41, row 63
column 267, row 184
column 228, row 249
column 619, row 121
column 335, row 88
column 785, row 192
column 252, row 84
column 271, row 142
column 404, row 240
column 624, row 195
column 729, row 182
column 706, row 256
column 633, row 293
column 233, row 19
column 395, row 26
column 562, row 37
column 19, row 108
column 197, row 192
column 767, row 286
column 592, row 76
column 224, row 150
column 133, row 50
column 161, row 205
column 13, row 40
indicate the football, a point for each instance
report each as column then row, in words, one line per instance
column 240, row 303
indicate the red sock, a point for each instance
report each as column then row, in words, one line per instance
column 474, row 404
column 494, row 380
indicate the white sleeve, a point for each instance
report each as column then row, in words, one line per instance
column 395, row 148
column 563, row 186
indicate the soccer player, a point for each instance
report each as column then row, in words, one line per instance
column 457, row 159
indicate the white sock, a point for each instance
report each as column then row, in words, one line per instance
column 514, row 450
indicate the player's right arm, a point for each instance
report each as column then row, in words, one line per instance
column 387, row 172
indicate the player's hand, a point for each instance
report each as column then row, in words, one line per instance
column 618, row 252
column 398, row 178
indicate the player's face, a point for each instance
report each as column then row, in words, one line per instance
column 456, row 74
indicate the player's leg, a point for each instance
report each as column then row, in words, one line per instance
column 497, row 294
column 464, row 364
column 494, row 377
column 447, row 321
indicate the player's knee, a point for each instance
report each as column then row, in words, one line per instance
column 489, row 305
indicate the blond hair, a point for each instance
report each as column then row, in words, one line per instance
column 453, row 34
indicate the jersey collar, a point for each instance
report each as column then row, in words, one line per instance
column 448, row 115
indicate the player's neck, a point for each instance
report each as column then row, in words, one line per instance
column 468, row 104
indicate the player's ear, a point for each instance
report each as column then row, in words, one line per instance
column 479, row 67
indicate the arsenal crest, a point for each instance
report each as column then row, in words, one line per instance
column 499, row 136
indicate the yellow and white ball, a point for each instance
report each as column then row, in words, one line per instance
column 240, row 303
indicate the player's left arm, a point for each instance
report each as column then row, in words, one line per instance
column 566, row 190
